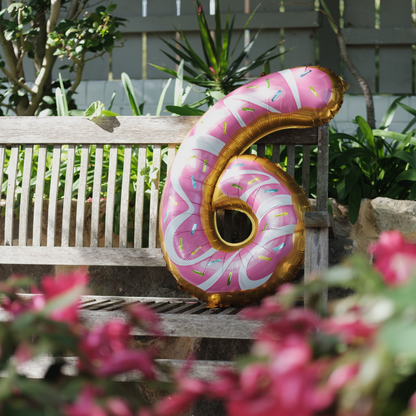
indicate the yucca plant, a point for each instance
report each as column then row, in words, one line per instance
column 216, row 71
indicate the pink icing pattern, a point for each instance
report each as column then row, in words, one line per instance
column 185, row 241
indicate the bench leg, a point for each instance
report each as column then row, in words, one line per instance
column 316, row 261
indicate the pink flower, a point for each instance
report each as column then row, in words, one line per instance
column 269, row 308
column 142, row 315
column 342, row 375
column 106, row 352
column 24, row 352
column 412, row 402
column 394, row 257
column 199, row 10
column 212, row 69
column 63, row 286
column 118, row 407
column 350, row 329
column 128, row 360
column 85, row 404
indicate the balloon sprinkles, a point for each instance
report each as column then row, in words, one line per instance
column 210, row 172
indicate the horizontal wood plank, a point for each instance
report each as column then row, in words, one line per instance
column 36, row 368
column 121, row 130
column 391, row 36
column 152, row 24
column 76, row 256
column 184, row 325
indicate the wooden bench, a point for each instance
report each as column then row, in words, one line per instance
column 125, row 138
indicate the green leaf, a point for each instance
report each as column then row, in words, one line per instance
column 49, row 100
column 392, row 135
column 94, row 110
column 162, row 97
column 266, row 66
column 347, row 156
column 177, row 100
column 185, row 110
column 412, row 194
column 406, row 141
column 65, row 103
column 403, row 156
column 367, row 132
column 76, row 113
column 128, row 86
column 217, row 95
column 389, row 115
column 109, row 113
column 112, row 101
column 407, row 175
column 410, row 110
column 354, row 203
column 60, row 107
column 110, row 8
column 46, row 113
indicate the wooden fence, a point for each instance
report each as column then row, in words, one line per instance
column 380, row 35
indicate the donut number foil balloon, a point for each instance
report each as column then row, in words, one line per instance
column 210, row 173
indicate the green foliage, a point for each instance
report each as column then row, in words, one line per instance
column 32, row 29
column 216, row 71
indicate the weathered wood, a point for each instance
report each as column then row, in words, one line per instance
column 25, row 196
column 171, row 155
column 391, row 36
column 37, row 368
column 322, row 174
column 82, row 186
column 40, row 186
column 103, row 130
column 111, row 189
column 306, row 167
column 11, row 188
column 154, row 24
column 291, row 160
column 154, row 197
column 302, row 38
column 53, row 195
column 276, row 153
column 122, row 130
column 96, row 195
column 69, row 179
column 363, row 56
column 316, row 261
column 396, row 60
column 329, row 55
column 75, row 256
column 261, row 150
column 184, row 325
column 2, row 159
column 138, row 216
column 125, row 191
column 317, row 219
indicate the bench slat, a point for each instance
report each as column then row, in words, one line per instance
column 69, row 179
column 82, row 186
column 261, row 150
column 276, row 153
column 36, row 368
column 75, row 256
column 138, row 216
column 11, row 189
column 171, row 155
column 125, row 191
column 154, row 197
column 306, row 168
column 96, row 195
column 53, row 195
column 111, row 187
column 2, row 159
column 40, row 186
column 25, row 197
column 122, row 130
column 290, row 169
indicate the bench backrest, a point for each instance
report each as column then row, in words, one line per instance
column 71, row 145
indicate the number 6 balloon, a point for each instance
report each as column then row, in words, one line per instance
column 210, row 173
